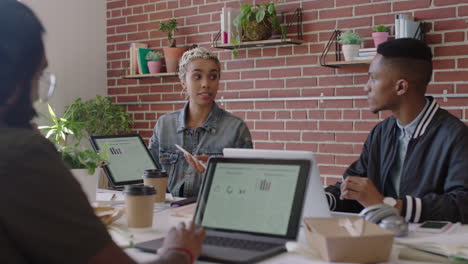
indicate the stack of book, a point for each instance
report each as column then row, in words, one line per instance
column 406, row 27
column 366, row 54
column 138, row 61
column 135, row 58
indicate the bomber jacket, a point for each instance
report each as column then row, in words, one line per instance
column 434, row 178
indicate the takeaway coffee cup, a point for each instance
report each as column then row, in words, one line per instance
column 139, row 202
column 158, row 179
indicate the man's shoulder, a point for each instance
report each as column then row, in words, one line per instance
column 19, row 139
column 452, row 125
column 23, row 147
column 448, row 118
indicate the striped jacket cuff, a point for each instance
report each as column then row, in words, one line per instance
column 331, row 200
column 412, row 208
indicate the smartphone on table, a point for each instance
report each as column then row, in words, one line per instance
column 434, row 226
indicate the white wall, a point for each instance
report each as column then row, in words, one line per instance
column 75, row 42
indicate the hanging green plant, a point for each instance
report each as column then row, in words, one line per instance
column 257, row 21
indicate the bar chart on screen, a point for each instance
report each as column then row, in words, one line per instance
column 264, row 185
column 115, row 151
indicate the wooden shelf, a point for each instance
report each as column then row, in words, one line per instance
column 347, row 63
column 333, row 42
column 150, row 75
column 262, row 43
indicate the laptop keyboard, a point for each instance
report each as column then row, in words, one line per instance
column 238, row 243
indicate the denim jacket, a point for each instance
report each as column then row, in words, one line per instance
column 221, row 130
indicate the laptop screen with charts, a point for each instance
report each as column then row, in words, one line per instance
column 128, row 158
column 249, row 207
column 254, row 199
column 315, row 204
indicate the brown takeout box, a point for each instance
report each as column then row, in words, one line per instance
column 336, row 244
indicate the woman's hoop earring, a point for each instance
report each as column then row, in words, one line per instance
column 184, row 91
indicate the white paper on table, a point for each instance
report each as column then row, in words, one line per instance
column 296, row 258
column 103, row 196
column 449, row 244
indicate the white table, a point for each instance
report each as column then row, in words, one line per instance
column 163, row 221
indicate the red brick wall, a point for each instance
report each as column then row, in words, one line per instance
column 333, row 129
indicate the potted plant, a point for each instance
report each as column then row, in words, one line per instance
column 172, row 54
column 154, row 61
column 351, row 42
column 380, row 34
column 100, row 117
column 95, row 117
column 82, row 162
column 257, row 22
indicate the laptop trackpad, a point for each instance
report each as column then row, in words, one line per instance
column 218, row 254
column 233, row 255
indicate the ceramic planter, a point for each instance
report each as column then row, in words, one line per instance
column 379, row 37
column 154, row 66
column 88, row 182
column 350, row 51
column 172, row 56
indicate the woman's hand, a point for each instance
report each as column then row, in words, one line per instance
column 182, row 238
column 198, row 163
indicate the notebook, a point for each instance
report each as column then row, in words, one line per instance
column 249, row 207
column 142, row 62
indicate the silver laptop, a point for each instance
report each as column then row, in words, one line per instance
column 315, row 204
column 249, row 207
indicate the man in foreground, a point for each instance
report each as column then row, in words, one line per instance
column 45, row 216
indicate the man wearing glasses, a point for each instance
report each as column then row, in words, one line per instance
column 47, row 83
